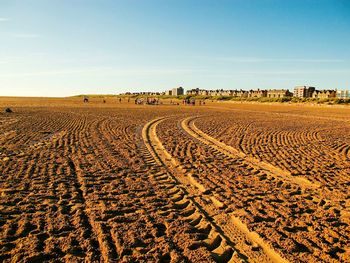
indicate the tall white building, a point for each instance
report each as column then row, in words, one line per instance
column 303, row 91
column 177, row 91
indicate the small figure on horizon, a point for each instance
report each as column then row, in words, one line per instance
column 86, row 99
column 120, row 100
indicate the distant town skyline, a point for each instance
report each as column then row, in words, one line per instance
column 64, row 48
column 298, row 91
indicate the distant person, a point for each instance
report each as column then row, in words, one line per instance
column 128, row 100
column 120, row 100
column 104, row 101
column 86, row 100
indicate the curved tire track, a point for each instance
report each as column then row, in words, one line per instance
column 188, row 125
column 223, row 235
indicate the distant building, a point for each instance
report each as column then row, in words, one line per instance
column 343, row 94
column 303, row 91
column 240, row 93
column 177, row 91
column 197, row 91
column 324, row 94
column 144, row 93
column 169, row 92
column 130, row 93
column 257, row 93
column 150, row 93
column 191, row 92
column 279, row 93
column 226, row 93
column 219, row 92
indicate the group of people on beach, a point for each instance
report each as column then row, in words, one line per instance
column 154, row 101
column 192, row 102
column 148, row 101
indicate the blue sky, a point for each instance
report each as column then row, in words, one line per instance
column 68, row 47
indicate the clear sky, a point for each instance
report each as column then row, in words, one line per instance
column 68, row 47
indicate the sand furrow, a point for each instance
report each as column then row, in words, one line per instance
column 188, row 125
column 201, row 216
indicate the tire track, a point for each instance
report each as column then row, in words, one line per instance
column 188, row 125
column 224, row 235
